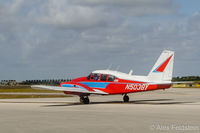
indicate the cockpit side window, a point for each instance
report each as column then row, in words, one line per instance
column 103, row 77
column 96, row 76
column 111, row 78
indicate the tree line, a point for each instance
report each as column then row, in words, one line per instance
column 186, row 78
column 45, row 82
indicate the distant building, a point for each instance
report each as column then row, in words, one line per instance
column 8, row 82
column 33, row 82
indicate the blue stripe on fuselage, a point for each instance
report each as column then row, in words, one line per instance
column 96, row 84
column 67, row 85
column 71, row 85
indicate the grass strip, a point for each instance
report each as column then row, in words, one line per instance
column 31, row 96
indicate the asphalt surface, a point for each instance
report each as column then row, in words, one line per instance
column 172, row 110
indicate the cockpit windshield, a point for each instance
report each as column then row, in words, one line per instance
column 88, row 77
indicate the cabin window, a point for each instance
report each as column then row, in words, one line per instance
column 111, row 78
column 103, row 77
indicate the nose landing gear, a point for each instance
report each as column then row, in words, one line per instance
column 84, row 99
column 126, row 98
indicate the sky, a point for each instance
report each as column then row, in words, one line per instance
column 51, row 39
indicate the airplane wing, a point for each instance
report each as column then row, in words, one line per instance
column 68, row 89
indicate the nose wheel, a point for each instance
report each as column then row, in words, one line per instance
column 84, row 100
column 126, row 98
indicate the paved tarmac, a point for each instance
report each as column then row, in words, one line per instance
column 172, row 110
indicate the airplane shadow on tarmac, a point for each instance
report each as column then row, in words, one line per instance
column 150, row 102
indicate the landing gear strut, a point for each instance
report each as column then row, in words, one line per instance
column 126, row 98
column 84, row 99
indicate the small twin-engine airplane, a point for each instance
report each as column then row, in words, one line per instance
column 107, row 82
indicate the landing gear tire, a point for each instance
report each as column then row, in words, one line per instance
column 126, row 98
column 84, row 100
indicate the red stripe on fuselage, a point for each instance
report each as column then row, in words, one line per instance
column 114, row 88
column 120, row 86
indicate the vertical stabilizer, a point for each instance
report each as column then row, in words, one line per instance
column 163, row 69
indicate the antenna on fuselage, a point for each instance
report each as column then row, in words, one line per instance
column 109, row 67
column 131, row 72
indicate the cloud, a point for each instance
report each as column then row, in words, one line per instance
column 133, row 7
column 41, row 39
column 64, row 14
column 89, row 13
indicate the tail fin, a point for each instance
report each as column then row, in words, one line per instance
column 163, row 69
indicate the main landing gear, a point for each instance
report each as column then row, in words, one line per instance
column 126, row 98
column 84, row 99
